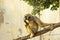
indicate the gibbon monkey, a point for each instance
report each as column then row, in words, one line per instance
column 32, row 24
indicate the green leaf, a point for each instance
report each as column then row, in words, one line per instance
column 39, row 5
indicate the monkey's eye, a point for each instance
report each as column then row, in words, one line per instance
column 29, row 17
column 25, row 17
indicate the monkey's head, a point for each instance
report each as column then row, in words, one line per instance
column 28, row 17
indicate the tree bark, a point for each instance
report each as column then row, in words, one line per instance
column 45, row 30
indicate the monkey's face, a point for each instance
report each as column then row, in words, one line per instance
column 28, row 17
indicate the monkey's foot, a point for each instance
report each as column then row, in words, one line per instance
column 51, row 26
column 32, row 35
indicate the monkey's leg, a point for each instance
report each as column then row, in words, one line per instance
column 31, row 33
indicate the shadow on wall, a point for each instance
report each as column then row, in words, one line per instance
column 1, row 16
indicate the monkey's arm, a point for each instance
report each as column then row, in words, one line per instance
column 27, row 27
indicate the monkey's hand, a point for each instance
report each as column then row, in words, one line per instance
column 26, row 24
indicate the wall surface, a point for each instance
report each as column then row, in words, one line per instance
column 13, row 26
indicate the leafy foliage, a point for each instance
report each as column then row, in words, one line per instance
column 39, row 5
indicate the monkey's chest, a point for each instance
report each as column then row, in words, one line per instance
column 33, row 26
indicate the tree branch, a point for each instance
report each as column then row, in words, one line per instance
column 56, row 25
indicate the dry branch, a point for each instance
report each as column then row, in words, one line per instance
column 56, row 25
